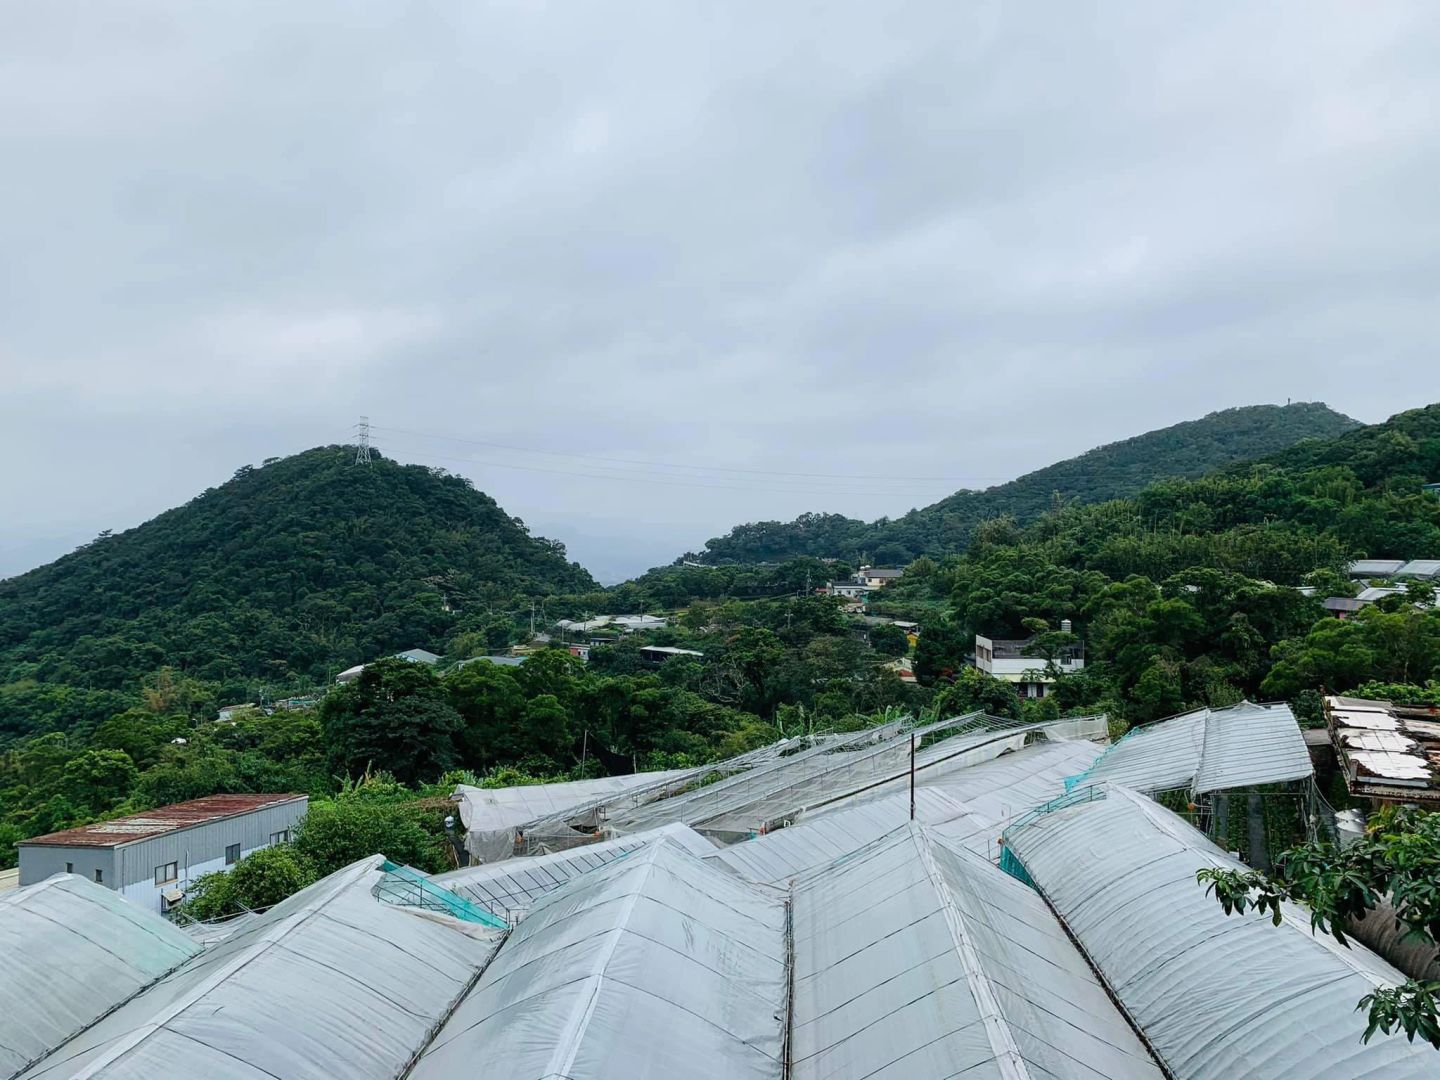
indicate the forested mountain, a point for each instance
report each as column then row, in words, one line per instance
column 1108, row 472
column 288, row 572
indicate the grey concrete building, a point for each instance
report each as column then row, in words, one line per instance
column 152, row 857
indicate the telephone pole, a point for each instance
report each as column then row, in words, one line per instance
column 362, row 442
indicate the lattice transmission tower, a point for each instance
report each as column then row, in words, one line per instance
column 362, row 441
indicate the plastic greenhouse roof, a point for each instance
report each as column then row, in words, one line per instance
column 818, row 841
column 1208, row 750
column 1218, row 996
column 514, row 884
column 868, row 762
column 74, row 950
column 913, row 960
column 657, row 965
column 329, row 982
column 491, row 815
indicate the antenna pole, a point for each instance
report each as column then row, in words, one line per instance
column 362, row 442
column 912, row 776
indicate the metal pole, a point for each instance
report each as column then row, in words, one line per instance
column 584, row 752
column 912, row 776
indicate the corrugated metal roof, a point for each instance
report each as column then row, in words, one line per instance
column 164, row 819
column 328, row 983
column 1218, row 996
column 1375, row 567
column 1372, row 593
column 1420, row 568
column 1343, row 603
column 913, row 960
column 73, row 951
column 658, row 965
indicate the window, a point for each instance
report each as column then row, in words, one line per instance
column 281, row 837
column 69, row 867
column 166, row 873
column 232, row 854
column 99, row 877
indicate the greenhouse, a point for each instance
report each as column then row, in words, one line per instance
column 330, row 982
column 738, row 799
column 74, row 951
column 845, row 940
column 491, row 815
column 913, row 960
column 509, row 887
column 1207, row 750
column 654, row 965
column 1218, row 996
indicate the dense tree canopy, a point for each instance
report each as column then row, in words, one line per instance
column 1108, row 472
column 282, row 576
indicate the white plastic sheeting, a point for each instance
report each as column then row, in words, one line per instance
column 1208, row 750
column 815, row 842
column 508, row 888
column 917, row 962
column 328, row 983
column 868, row 762
column 491, row 815
column 969, row 806
column 73, row 951
column 658, row 966
column 1249, row 745
column 1218, row 996
column 997, row 792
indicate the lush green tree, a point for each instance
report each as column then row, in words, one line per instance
column 395, row 715
column 889, row 640
column 973, row 690
column 996, row 593
column 548, row 731
column 185, row 773
column 258, row 881
column 1401, row 646
column 491, row 704
column 139, row 734
column 942, row 650
column 336, row 832
column 99, row 780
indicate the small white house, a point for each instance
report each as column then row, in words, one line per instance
column 878, row 576
column 851, row 590
column 1008, row 661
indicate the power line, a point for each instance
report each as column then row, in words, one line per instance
column 679, row 465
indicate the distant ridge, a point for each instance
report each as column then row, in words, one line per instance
column 290, row 570
column 1116, row 470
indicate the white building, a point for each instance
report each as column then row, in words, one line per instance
column 851, row 590
column 1009, row 662
column 878, row 576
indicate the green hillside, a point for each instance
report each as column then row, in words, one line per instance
column 1113, row 471
column 286, row 573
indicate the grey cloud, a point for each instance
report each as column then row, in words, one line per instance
column 922, row 239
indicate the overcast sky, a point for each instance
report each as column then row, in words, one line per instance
column 902, row 247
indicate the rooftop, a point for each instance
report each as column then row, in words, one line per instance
column 1386, row 750
column 164, row 819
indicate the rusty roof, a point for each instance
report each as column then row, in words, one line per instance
column 163, row 819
